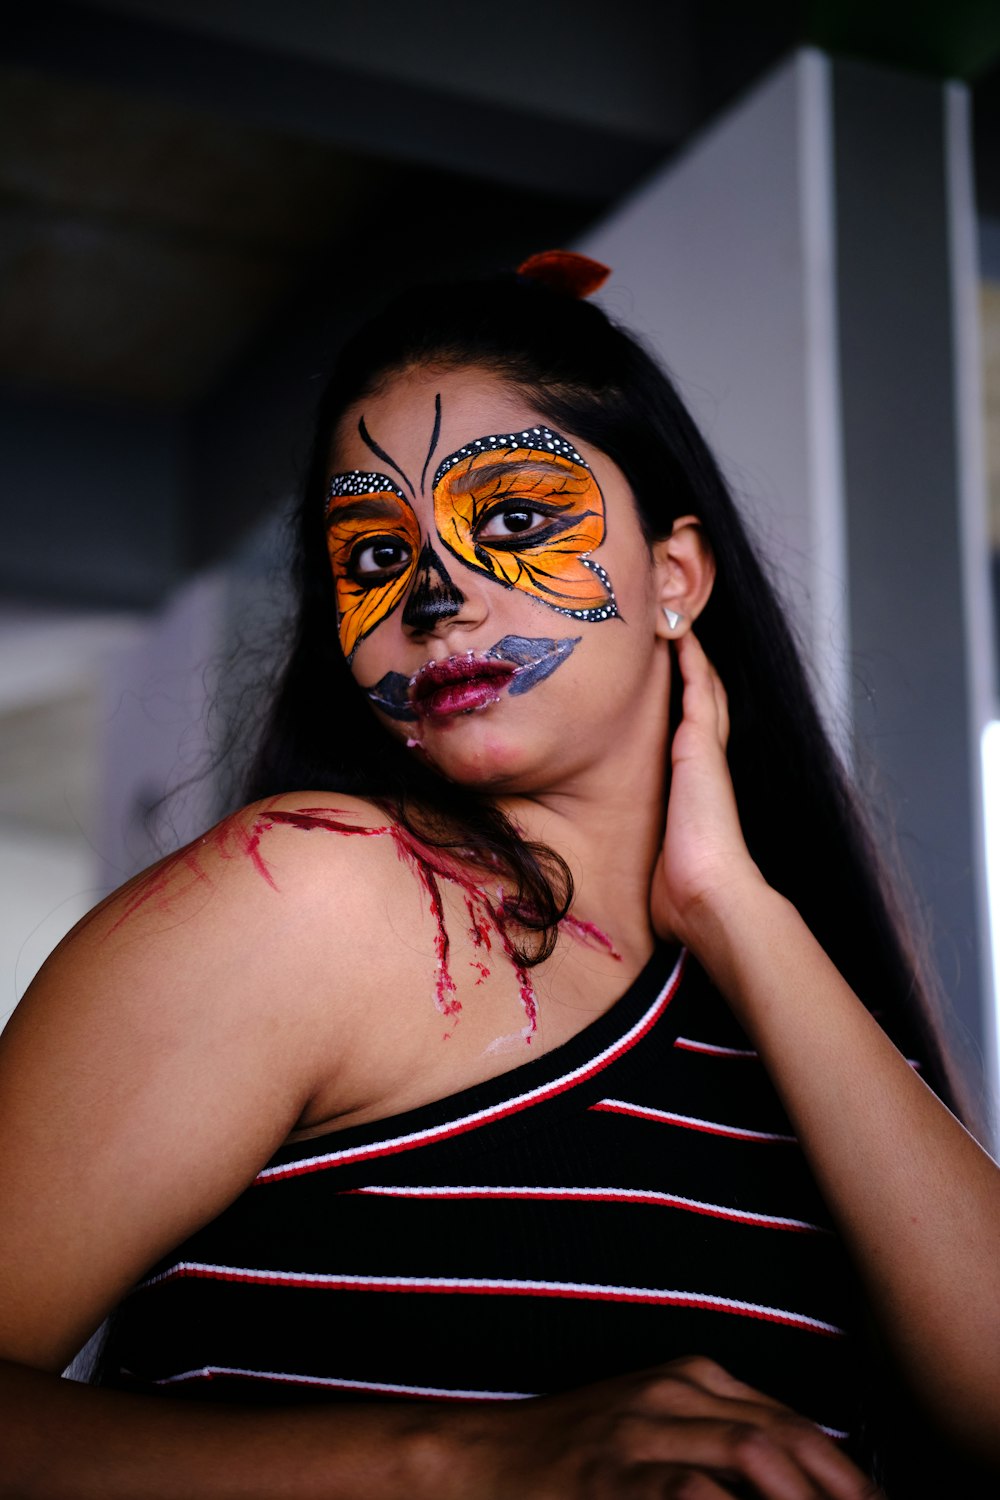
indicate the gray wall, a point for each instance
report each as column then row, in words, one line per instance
column 805, row 270
column 722, row 262
column 90, row 501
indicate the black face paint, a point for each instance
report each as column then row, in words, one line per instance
column 533, row 659
column 380, row 452
column 434, row 439
column 433, row 597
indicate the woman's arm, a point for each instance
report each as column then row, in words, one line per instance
column 917, row 1200
column 685, row 1429
column 162, row 1054
column 63, row 1441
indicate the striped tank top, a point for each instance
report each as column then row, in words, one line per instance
column 632, row 1196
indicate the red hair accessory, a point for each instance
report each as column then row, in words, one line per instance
column 565, row 271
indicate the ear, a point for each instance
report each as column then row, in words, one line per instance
column 684, row 572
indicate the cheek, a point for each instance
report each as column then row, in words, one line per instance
column 380, row 651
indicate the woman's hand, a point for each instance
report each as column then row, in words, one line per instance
column 682, row 1429
column 704, row 853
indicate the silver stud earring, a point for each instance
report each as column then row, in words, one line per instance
column 673, row 618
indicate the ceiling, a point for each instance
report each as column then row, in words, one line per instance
column 197, row 194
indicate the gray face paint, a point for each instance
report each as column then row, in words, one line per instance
column 532, row 659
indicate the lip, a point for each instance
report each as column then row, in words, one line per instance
column 459, row 685
column 467, row 682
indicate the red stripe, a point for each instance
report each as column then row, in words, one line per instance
column 562, row 1290
column 569, row 1195
column 709, row 1049
column 707, row 1127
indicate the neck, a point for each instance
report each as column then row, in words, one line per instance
column 607, row 824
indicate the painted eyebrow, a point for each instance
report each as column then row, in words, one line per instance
column 489, row 473
column 372, row 508
column 380, row 452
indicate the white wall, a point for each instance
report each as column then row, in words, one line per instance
column 723, row 264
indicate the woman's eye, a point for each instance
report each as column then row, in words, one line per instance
column 513, row 522
column 379, row 560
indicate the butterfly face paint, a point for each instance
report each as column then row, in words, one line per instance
column 373, row 539
column 523, row 509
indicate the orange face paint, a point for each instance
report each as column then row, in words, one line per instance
column 373, row 539
column 525, row 509
column 522, row 508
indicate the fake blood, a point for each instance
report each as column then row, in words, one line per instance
column 590, row 933
column 428, row 864
column 489, row 915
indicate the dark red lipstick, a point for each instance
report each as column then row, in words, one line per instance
column 458, row 685
column 515, row 664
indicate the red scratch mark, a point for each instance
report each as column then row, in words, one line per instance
column 428, row 863
column 446, row 990
column 146, row 887
column 233, row 837
column 489, row 915
column 590, row 934
column 479, row 930
column 524, row 985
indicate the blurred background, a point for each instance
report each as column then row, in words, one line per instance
column 801, row 204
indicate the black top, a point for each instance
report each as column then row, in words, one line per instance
column 632, row 1196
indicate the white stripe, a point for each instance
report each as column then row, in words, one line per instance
column 693, row 1120
column 588, row 1289
column 206, row 1372
column 670, row 1199
column 687, row 1041
column 479, row 1115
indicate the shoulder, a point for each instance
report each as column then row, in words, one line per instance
column 272, row 901
column 172, row 1041
column 253, row 869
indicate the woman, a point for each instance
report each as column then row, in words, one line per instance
column 467, row 1116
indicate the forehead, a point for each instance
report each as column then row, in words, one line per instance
column 403, row 414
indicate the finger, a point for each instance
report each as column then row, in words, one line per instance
column 673, row 1482
column 704, row 693
column 817, row 1453
column 731, row 1450
column 832, row 1470
column 698, row 1387
column 720, row 696
column 722, row 707
column 701, row 1371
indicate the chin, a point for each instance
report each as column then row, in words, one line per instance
column 474, row 753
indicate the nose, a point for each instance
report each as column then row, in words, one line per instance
column 434, row 599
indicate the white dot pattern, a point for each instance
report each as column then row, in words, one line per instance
column 608, row 611
column 358, row 482
column 539, row 439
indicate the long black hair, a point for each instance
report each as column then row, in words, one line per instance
column 800, row 814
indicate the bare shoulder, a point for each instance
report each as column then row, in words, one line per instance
column 246, row 878
column 276, row 915
column 174, row 1039
column 272, row 901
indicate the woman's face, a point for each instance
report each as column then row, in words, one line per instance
column 496, row 598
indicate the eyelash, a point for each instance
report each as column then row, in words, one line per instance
column 511, row 506
column 514, row 541
column 376, row 579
